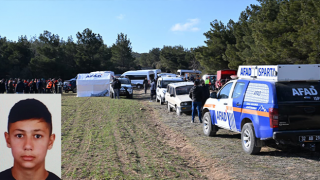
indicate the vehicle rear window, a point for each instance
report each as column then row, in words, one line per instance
column 298, row 91
column 124, row 81
column 165, row 83
column 183, row 90
column 151, row 76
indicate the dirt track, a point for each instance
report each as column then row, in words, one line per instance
column 222, row 157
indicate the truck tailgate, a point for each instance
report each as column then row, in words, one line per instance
column 299, row 115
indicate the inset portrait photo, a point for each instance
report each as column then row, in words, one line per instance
column 30, row 136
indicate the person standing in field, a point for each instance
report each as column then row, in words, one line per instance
column 2, row 86
column 145, row 85
column 20, row 87
column 152, row 90
column 196, row 95
column 205, row 92
column 10, row 86
column 116, row 88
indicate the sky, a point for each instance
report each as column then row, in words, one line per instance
column 147, row 23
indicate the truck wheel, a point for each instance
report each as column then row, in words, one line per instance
column 178, row 111
column 66, row 91
column 169, row 108
column 131, row 96
column 208, row 128
column 139, row 86
column 74, row 90
column 249, row 140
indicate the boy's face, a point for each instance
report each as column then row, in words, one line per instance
column 29, row 141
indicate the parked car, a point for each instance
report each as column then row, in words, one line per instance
column 125, row 90
column 162, row 87
column 117, row 75
column 280, row 103
column 177, row 97
column 70, row 86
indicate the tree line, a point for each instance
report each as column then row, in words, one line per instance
column 269, row 32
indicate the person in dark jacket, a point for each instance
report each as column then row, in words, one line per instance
column 196, row 95
column 152, row 89
column 2, row 86
column 39, row 86
column 20, row 87
column 10, row 86
column 145, row 85
column 35, row 90
column 31, row 86
column 116, row 88
column 7, row 85
column 205, row 93
column 26, row 87
column 192, row 78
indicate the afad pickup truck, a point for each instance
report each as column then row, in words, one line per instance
column 278, row 102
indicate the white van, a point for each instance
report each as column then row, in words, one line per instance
column 162, row 87
column 156, row 72
column 137, row 77
column 186, row 73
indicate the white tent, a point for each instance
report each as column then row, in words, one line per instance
column 94, row 84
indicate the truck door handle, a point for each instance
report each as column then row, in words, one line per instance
column 225, row 103
column 238, row 104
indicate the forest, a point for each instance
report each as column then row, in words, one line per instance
column 271, row 32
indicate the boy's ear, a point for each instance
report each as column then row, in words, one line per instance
column 51, row 141
column 6, row 136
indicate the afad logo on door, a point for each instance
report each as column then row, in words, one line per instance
column 223, row 116
column 94, row 75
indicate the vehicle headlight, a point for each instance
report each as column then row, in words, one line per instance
column 164, row 91
column 184, row 104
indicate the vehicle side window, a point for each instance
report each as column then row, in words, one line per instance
column 238, row 89
column 137, row 77
column 225, row 91
column 168, row 89
column 257, row 92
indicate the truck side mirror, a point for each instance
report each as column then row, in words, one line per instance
column 171, row 95
column 213, row 95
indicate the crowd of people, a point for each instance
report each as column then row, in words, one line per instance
column 33, row 86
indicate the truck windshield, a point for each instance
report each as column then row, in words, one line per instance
column 164, row 84
column 183, row 90
column 298, row 91
column 124, row 81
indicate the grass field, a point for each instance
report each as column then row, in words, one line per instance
column 103, row 138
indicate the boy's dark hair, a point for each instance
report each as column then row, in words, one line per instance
column 30, row 109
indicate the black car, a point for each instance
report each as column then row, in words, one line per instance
column 70, row 86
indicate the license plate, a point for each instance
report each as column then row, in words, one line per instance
column 309, row 138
